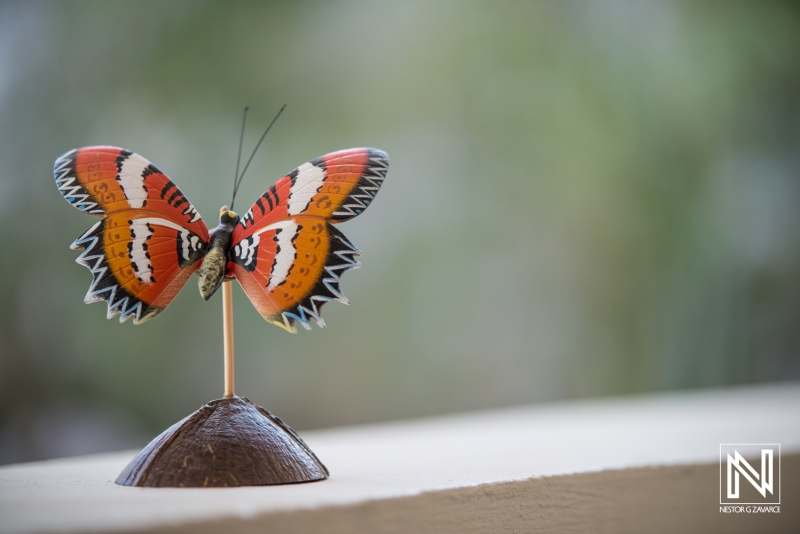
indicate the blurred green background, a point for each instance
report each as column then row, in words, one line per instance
column 584, row 199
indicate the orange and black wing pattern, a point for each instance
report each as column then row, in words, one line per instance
column 286, row 253
column 150, row 239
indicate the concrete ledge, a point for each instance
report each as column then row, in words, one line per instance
column 617, row 465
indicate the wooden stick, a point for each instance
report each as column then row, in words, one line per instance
column 227, row 331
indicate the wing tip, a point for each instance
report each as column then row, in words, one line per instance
column 289, row 322
column 285, row 325
column 152, row 313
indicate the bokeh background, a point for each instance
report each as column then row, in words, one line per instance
column 584, row 199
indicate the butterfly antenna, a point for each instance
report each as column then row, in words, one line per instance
column 239, row 157
column 239, row 181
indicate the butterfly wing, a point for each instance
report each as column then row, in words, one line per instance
column 150, row 238
column 101, row 180
column 286, row 253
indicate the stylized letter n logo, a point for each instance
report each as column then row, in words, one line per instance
column 741, row 466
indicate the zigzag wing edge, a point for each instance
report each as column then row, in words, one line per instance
column 70, row 188
column 366, row 188
column 103, row 286
column 340, row 260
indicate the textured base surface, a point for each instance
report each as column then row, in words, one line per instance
column 227, row 442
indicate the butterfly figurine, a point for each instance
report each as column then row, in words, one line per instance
column 285, row 251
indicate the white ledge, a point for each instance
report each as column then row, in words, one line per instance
column 487, row 471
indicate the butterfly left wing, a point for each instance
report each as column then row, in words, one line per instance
column 286, row 253
column 150, row 238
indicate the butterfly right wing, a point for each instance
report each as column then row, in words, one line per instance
column 335, row 187
column 150, row 239
column 287, row 254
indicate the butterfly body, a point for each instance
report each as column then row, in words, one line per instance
column 285, row 251
column 212, row 270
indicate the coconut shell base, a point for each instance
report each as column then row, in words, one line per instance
column 227, row 442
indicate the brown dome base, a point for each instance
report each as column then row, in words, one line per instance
column 227, row 442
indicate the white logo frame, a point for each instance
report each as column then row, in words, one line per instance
column 732, row 465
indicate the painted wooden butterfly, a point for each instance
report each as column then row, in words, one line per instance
column 285, row 251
